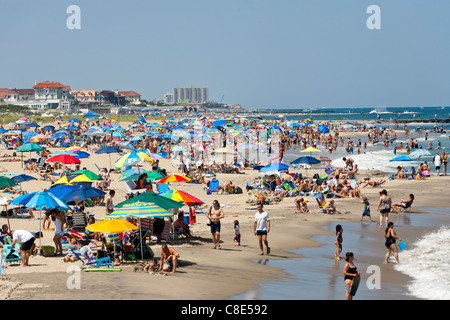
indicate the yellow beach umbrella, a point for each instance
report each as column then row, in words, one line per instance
column 310, row 149
column 79, row 178
column 111, row 226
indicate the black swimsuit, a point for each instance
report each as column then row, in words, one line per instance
column 389, row 241
column 351, row 270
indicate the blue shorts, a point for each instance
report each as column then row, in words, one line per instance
column 366, row 213
column 215, row 227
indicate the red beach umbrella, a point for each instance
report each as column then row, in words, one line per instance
column 64, row 158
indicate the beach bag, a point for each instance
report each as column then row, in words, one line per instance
column 238, row 190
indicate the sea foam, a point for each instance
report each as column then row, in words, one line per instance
column 428, row 263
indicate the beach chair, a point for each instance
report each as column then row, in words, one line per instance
column 79, row 219
column 92, row 261
column 213, row 186
column 3, row 265
column 12, row 255
column 321, row 202
column 163, row 187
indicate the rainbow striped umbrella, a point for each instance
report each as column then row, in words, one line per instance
column 140, row 210
column 174, row 178
column 181, row 196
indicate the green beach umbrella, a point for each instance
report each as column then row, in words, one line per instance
column 30, row 147
column 7, row 182
column 152, row 197
column 88, row 173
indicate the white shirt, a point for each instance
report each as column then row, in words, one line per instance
column 261, row 219
column 437, row 160
column 22, row 236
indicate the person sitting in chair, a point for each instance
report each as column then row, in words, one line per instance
column 181, row 227
column 402, row 204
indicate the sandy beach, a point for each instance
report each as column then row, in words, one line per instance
column 234, row 271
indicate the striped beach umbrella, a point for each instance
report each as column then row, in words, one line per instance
column 174, row 178
column 140, row 210
column 132, row 158
column 181, row 196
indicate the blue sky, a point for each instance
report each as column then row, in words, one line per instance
column 257, row 53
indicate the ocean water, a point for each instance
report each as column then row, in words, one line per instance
column 317, row 276
column 355, row 114
column 427, row 261
column 377, row 157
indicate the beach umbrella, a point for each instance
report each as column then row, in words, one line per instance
column 420, row 152
column 132, row 171
column 174, row 178
column 140, row 210
column 225, row 150
column 310, row 150
column 78, row 179
column 108, row 150
column 323, row 158
column 7, row 182
column 111, row 226
column 132, row 158
column 152, row 197
column 401, row 158
column 305, row 160
column 82, row 193
column 126, row 145
column 323, row 129
column 218, row 123
column 91, row 114
column 274, row 166
column 42, row 200
column 64, row 158
column 74, row 120
column 49, row 128
column 88, row 173
column 28, row 147
column 22, row 178
column 151, row 176
column 181, row 196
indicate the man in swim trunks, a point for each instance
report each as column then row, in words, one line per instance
column 169, row 259
column 215, row 213
column 262, row 228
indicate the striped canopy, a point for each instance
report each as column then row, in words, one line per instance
column 140, row 210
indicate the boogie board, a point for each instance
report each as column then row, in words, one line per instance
column 354, row 285
column 102, row 269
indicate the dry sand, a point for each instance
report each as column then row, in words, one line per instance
column 204, row 273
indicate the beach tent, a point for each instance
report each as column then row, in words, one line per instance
column 91, row 114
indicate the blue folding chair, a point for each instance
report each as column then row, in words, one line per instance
column 95, row 262
column 213, row 186
column 163, row 187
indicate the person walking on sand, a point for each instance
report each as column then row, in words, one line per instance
column 391, row 236
column 350, row 271
column 384, row 205
column 262, row 227
column 215, row 213
column 444, row 158
column 437, row 160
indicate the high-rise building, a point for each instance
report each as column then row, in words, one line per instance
column 190, row 95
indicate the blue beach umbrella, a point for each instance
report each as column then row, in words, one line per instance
column 401, row 158
column 323, row 129
column 91, row 114
column 218, row 123
column 274, row 166
column 306, row 160
column 49, row 128
column 108, row 150
column 41, row 200
column 22, row 177
column 82, row 193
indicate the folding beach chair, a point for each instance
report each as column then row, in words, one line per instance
column 321, row 202
column 3, row 265
column 91, row 260
column 163, row 187
column 213, row 186
column 12, row 254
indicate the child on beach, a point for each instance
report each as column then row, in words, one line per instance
column 366, row 211
column 237, row 233
column 338, row 241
